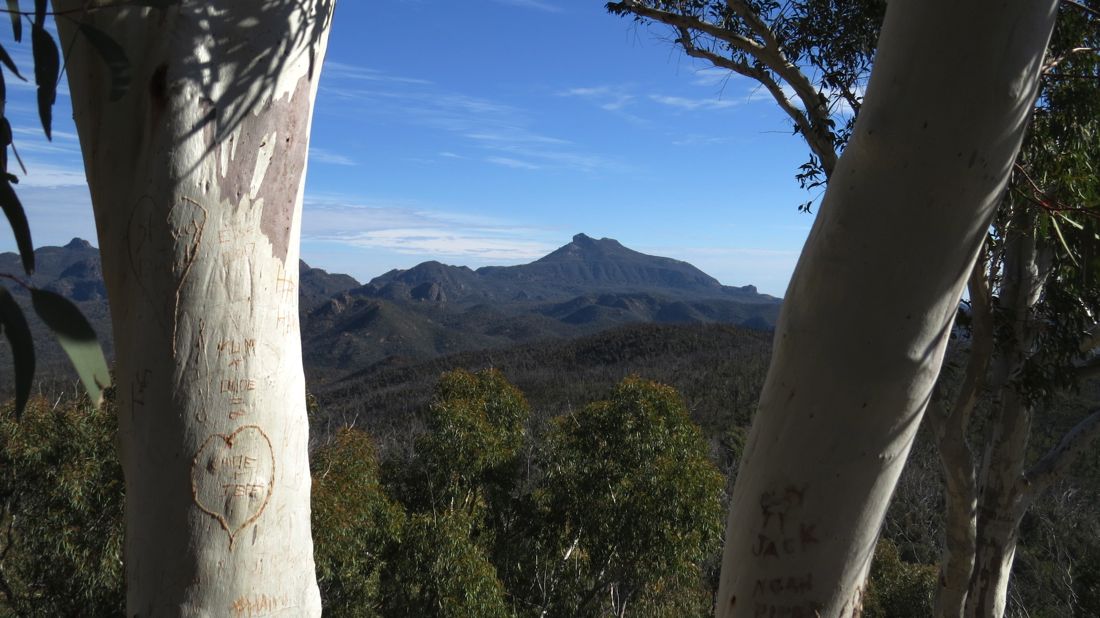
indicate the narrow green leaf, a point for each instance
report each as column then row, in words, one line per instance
column 8, row 62
column 16, row 20
column 13, row 210
column 22, row 348
column 113, row 55
column 1066, row 218
column 1062, row 239
column 77, row 339
column 47, row 66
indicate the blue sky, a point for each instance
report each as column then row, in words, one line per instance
column 490, row 131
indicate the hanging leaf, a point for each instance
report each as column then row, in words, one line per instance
column 16, row 20
column 13, row 210
column 40, row 7
column 8, row 62
column 113, row 55
column 47, row 66
column 22, row 348
column 1062, row 240
column 77, row 339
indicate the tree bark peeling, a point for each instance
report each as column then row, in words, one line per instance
column 197, row 184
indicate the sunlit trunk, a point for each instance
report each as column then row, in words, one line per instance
column 196, row 176
column 869, row 310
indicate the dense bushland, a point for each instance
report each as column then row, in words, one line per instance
column 497, row 508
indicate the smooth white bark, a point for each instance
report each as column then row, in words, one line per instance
column 197, row 176
column 868, row 312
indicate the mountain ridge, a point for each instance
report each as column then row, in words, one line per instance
column 584, row 287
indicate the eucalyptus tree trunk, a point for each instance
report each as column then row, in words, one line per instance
column 870, row 307
column 196, row 174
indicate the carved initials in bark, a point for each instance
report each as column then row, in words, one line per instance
column 232, row 477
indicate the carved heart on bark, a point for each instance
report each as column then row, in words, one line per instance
column 232, row 477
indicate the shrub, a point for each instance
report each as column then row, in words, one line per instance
column 61, row 488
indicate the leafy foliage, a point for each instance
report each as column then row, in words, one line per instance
column 898, row 589
column 354, row 524
column 636, row 503
column 440, row 570
column 62, row 496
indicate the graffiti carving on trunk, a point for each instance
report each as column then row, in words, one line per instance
column 232, row 477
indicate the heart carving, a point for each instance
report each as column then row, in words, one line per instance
column 232, row 477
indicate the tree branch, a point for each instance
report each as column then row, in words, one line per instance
column 1054, row 464
column 1053, row 63
column 678, row 21
column 813, row 123
column 1085, row 9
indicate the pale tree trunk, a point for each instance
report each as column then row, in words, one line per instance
column 868, row 312
column 957, row 458
column 197, row 176
column 1002, row 500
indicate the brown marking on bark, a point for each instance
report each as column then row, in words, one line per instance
column 286, row 120
column 214, row 468
column 194, row 227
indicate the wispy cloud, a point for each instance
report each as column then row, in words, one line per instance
column 539, row 5
column 691, row 105
column 43, row 175
column 320, row 155
column 610, row 98
column 414, row 230
column 343, row 71
column 513, row 163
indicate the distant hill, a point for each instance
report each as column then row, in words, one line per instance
column 584, row 266
column 433, row 309
column 584, row 287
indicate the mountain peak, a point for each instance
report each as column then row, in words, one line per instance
column 78, row 243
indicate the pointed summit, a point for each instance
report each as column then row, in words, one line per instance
column 78, row 243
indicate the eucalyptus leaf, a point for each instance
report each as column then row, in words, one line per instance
column 47, row 66
column 13, row 210
column 8, row 62
column 22, row 348
column 77, row 338
column 16, row 20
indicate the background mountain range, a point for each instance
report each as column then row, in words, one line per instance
column 410, row 316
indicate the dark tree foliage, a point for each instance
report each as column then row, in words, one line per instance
column 61, row 488
column 635, row 503
column 354, row 525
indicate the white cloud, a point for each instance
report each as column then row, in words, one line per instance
column 692, row 105
column 343, row 71
column 450, row 243
column 609, row 98
column 411, row 229
column 540, row 5
column 320, row 155
column 513, row 163
column 49, row 175
column 713, row 76
column 498, row 129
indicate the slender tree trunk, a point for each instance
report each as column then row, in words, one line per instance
column 197, row 175
column 1003, row 496
column 957, row 458
column 868, row 312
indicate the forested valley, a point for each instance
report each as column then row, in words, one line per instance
column 581, row 477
